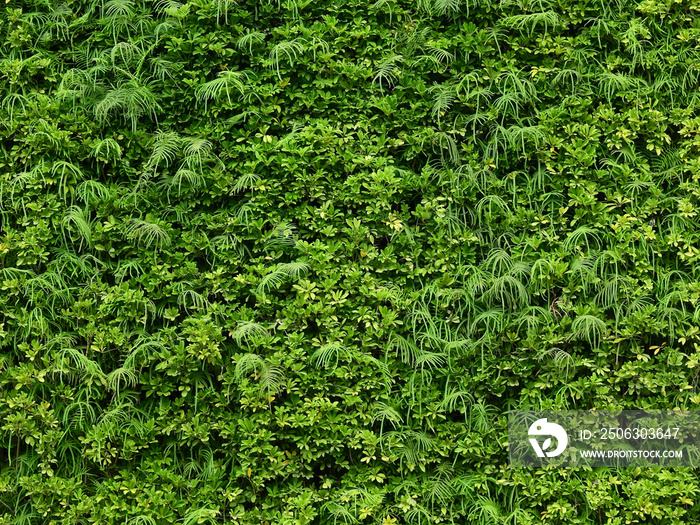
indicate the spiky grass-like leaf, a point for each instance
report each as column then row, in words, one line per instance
column 386, row 71
column 76, row 220
column 196, row 150
column 82, row 363
column 190, row 178
column 405, row 349
column 248, row 331
column 92, row 191
column 106, row 149
column 226, row 82
column 547, row 19
column 148, row 233
column 121, row 377
column 271, row 378
column 508, row 292
column 132, row 99
column 328, row 355
column 293, row 270
column 590, row 329
column 290, row 49
column 200, row 516
column 165, row 148
column 583, row 234
column 384, row 412
column 250, row 39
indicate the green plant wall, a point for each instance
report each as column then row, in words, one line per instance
column 292, row 262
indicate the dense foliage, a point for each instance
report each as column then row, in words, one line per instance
column 292, row 262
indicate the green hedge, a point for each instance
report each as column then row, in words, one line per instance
column 293, row 262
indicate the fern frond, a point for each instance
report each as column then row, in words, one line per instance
column 142, row 349
column 271, row 377
column 585, row 234
column 293, row 270
column 199, row 516
column 384, row 412
column 163, row 6
column 611, row 83
column 165, row 148
column 76, row 219
column 226, row 82
column 248, row 331
column 289, row 48
column 441, row 7
column 121, row 377
column 133, row 267
column 149, row 233
column 498, row 262
column 115, row 8
column 443, row 97
column 283, row 234
column 132, row 99
column 247, row 364
column 249, row 39
column 405, row 349
column 583, row 268
column 90, row 191
column 386, row 71
column 125, row 51
column 519, row 135
column 247, row 181
column 106, row 149
column 163, row 67
column 327, row 354
column 457, row 400
column 191, row 178
column 69, row 175
column 141, row 519
column 589, row 328
column 508, row 292
column 547, row 19
column 10, row 102
column 81, row 362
